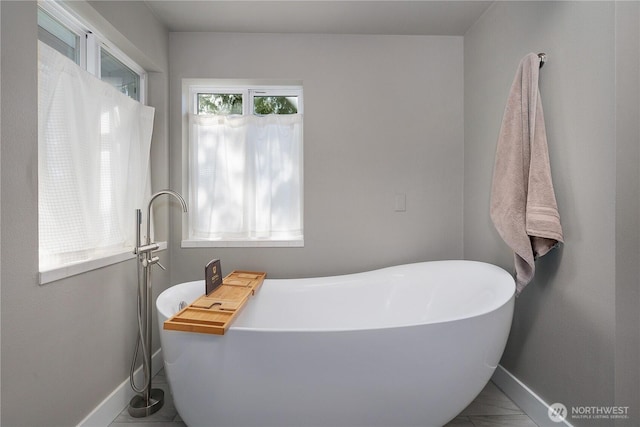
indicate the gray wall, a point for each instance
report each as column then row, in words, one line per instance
column 575, row 332
column 575, row 335
column 627, row 350
column 68, row 344
column 383, row 115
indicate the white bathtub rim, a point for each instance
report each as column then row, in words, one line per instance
column 497, row 305
column 244, row 329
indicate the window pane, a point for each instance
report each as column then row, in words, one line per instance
column 119, row 75
column 220, row 103
column 59, row 37
column 275, row 104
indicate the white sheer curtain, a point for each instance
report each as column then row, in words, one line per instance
column 93, row 163
column 246, row 177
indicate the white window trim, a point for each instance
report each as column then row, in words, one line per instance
column 191, row 87
column 90, row 44
column 256, row 243
column 48, row 276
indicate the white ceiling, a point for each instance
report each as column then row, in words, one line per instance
column 414, row 17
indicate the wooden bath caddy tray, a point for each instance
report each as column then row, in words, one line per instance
column 213, row 313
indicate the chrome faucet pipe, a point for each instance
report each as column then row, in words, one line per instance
column 138, row 224
column 160, row 193
column 151, row 399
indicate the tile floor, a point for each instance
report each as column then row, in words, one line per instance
column 167, row 416
column 490, row 409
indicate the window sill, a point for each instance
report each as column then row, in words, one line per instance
column 54, row 274
column 296, row 243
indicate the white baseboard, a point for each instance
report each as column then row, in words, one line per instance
column 536, row 408
column 110, row 408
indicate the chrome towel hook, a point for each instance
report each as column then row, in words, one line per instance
column 543, row 58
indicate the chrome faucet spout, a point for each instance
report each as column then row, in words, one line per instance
column 160, row 193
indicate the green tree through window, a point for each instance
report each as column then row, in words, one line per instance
column 275, row 105
column 232, row 103
column 220, row 103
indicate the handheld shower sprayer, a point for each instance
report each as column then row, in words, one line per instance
column 149, row 400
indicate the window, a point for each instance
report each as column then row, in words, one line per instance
column 219, row 103
column 263, row 102
column 93, row 147
column 59, row 36
column 119, row 75
column 274, row 104
column 245, row 165
column 64, row 32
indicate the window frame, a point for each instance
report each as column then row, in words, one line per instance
column 248, row 88
column 124, row 60
column 283, row 91
column 90, row 45
column 230, row 90
column 59, row 14
column 248, row 94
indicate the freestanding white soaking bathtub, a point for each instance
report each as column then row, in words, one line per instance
column 410, row 345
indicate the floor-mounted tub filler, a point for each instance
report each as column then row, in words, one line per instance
column 410, row 345
column 148, row 400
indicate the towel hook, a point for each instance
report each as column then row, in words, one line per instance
column 543, row 58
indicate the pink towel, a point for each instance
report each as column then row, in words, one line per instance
column 523, row 203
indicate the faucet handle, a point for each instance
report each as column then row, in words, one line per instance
column 148, row 262
column 156, row 260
